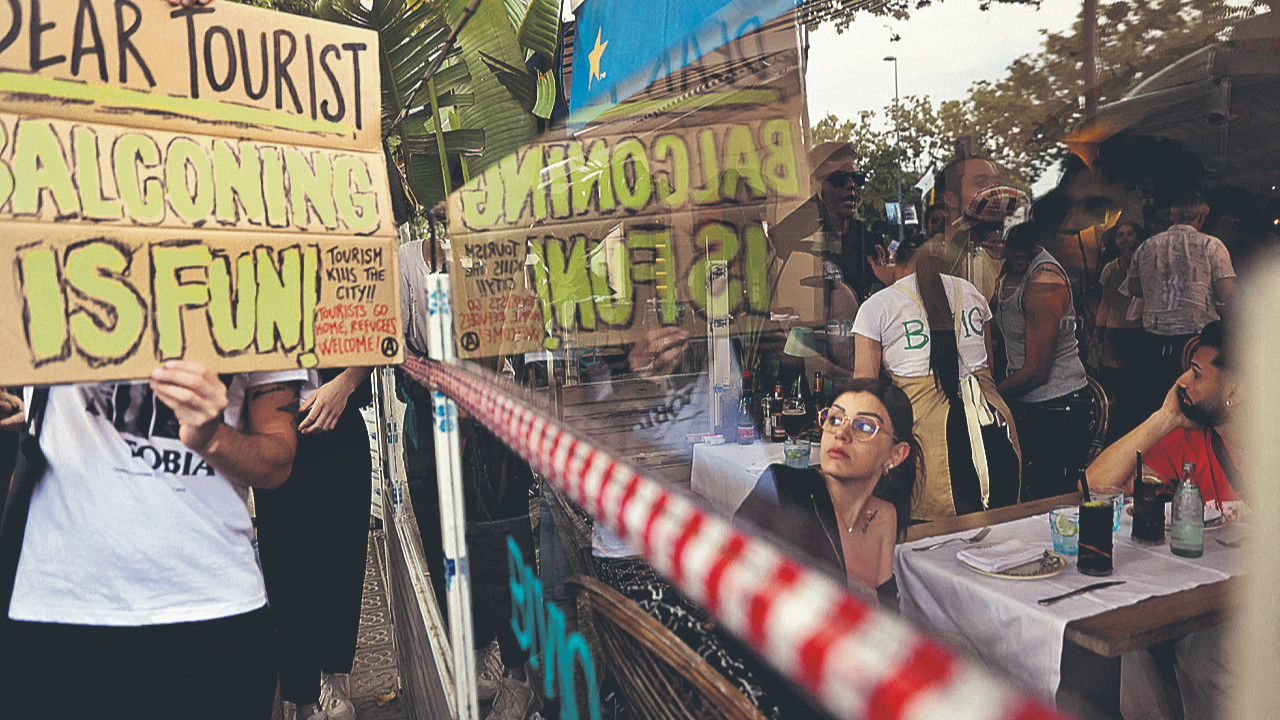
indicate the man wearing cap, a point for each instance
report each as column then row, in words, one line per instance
column 977, row 204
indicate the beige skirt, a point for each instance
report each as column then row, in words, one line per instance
column 933, row 499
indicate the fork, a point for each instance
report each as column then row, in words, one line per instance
column 978, row 537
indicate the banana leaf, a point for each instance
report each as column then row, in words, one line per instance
column 479, row 102
column 539, row 30
column 505, row 120
column 516, row 80
column 546, row 95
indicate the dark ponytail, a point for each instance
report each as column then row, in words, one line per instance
column 944, row 357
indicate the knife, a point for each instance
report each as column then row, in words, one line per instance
column 1077, row 591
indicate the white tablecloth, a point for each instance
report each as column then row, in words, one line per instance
column 726, row 474
column 1001, row 618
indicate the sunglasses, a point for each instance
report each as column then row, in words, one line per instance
column 863, row 428
column 841, row 178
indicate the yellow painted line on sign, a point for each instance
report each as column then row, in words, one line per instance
column 11, row 82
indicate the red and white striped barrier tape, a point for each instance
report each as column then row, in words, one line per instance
column 855, row 659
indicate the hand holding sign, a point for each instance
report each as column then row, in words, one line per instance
column 11, row 414
column 197, row 398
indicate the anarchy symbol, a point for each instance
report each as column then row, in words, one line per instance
column 470, row 341
column 390, row 346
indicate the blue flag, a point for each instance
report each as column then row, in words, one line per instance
column 621, row 47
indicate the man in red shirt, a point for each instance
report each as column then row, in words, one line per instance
column 1195, row 424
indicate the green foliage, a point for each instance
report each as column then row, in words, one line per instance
column 927, row 135
column 478, row 106
column 294, row 7
column 842, row 13
column 1025, row 115
column 1021, row 119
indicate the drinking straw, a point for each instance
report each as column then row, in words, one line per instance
column 1084, row 488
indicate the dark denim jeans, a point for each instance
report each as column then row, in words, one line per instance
column 1054, row 435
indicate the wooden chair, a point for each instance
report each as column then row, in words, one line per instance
column 1099, row 412
column 660, row 677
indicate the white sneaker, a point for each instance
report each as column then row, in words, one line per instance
column 317, row 715
column 515, row 701
column 488, row 671
column 333, row 698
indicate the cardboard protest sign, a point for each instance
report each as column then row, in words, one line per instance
column 230, row 208
column 223, row 69
column 56, row 170
column 111, row 304
column 601, row 236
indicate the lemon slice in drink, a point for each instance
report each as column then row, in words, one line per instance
column 1064, row 526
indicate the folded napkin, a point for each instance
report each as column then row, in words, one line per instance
column 998, row 557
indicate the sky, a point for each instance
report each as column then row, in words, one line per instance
column 943, row 49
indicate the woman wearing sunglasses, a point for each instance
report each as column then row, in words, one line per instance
column 848, row 512
column 928, row 332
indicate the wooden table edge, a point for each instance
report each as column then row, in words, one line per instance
column 1156, row 619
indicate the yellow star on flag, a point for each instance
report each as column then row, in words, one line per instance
column 594, row 58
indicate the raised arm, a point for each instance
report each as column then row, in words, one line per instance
column 261, row 455
column 1114, row 467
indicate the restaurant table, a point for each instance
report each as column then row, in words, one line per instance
column 1164, row 596
column 726, row 474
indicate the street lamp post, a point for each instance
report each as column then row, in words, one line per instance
column 897, row 129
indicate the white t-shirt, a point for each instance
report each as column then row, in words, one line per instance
column 899, row 324
column 128, row 526
column 413, row 295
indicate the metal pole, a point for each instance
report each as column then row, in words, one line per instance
column 1089, row 53
column 897, row 129
column 453, row 522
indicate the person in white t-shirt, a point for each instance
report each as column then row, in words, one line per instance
column 928, row 333
column 137, row 593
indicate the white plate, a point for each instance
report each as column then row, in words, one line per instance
column 1048, row 565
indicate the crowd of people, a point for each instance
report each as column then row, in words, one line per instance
column 1004, row 373
column 968, row 388
column 1010, row 323
column 983, row 342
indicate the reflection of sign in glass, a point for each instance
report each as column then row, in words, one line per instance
column 595, row 238
column 539, row 627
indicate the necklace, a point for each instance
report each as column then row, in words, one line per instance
column 866, row 525
column 835, row 547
